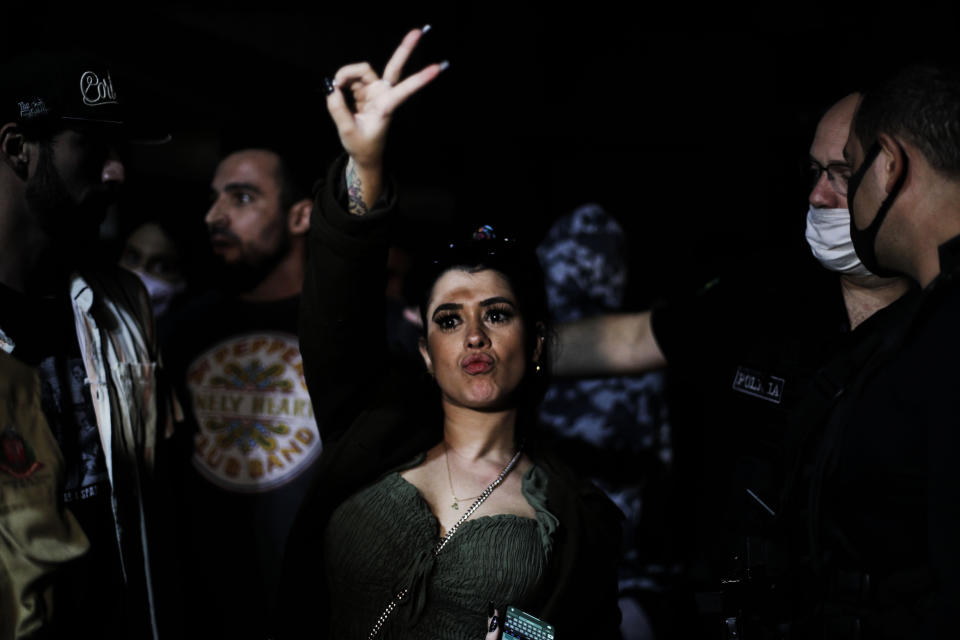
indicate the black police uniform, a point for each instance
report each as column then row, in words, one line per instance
column 883, row 481
column 746, row 351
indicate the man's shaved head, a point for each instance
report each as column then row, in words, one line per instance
column 827, row 149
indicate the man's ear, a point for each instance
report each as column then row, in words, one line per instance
column 894, row 160
column 298, row 217
column 425, row 354
column 14, row 149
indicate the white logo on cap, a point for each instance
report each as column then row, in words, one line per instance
column 95, row 91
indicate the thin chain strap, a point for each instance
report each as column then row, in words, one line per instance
column 386, row 614
column 443, row 542
column 476, row 505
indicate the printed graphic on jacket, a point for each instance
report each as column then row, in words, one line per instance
column 16, row 455
column 256, row 425
column 68, row 407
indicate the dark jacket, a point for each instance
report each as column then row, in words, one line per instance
column 372, row 420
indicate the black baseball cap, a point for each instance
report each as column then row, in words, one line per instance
column 72, row 90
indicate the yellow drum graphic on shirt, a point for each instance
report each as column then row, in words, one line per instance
column 256, row 425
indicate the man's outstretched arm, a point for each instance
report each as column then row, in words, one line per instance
column 613, row 344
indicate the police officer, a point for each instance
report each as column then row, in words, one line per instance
column 746, row 349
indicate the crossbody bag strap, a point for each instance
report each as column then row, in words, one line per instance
column 375, row 630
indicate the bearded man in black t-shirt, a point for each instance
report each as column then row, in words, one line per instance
column 251, row 439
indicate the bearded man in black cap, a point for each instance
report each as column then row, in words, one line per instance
column 81, row 413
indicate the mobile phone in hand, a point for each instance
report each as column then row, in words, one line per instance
column 520, row 625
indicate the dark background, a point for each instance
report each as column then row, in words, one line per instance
column 690, row 127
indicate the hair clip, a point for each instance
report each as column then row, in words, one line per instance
column 484, row 233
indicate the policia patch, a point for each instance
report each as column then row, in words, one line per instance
column 759, row 385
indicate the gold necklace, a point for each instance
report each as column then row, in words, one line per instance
column 456, row 501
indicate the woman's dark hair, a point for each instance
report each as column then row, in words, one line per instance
column 519, row 266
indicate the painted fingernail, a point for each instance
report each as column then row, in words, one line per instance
column 444, row 65
column 425, row 29
column 328, row 86
column 494, row 623
column 490, row 608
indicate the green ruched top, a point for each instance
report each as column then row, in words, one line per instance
column 381, row 540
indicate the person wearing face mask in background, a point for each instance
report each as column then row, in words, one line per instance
column 150, row 251
column 878, row 487
column 742, row 354
column 828, row 220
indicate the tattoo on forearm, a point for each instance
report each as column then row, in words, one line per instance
column 355, row 203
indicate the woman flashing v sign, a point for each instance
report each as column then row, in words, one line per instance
column 435, row 507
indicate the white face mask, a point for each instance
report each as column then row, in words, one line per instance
column 160, row 291
column 828, row 234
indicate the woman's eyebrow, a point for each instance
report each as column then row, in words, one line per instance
column 497, row 300
column 447, row 306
